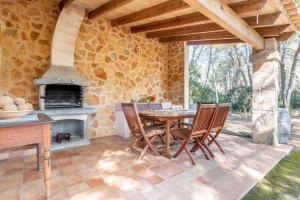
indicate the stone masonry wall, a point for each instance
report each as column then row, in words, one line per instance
column 26, row 41
column 121, row 66
column 176, row 72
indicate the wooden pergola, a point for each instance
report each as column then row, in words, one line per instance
column 200, row 21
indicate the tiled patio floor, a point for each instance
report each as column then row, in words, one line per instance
column 105, row 170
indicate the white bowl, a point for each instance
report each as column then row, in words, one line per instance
column 13, row 114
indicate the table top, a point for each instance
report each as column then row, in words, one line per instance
column 42, row 119
column 180, row 113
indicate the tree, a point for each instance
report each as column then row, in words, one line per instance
column 289, row 63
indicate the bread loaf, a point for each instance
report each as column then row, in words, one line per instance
column 10, row 107
column 19, row 101
column 26, row 106
column 5, row 100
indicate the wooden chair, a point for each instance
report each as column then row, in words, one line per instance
column 221, row 116
column 142, row 106
column 200, row 130
column 155, row 106
column 141, row 136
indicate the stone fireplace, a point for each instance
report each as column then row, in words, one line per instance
column 61, row 88
column 62, row 96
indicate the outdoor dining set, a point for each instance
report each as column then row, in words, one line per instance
column 153, row 127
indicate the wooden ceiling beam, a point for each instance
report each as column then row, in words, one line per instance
column 154, row 11
column 282, row 37
column 272, row 31
column 107, row 7
column 280, row 5
column 222, row 35
column 264, row 20
column 224, row 16
column 64, row 3
column 285, row 36
column 286, row 1
column 293, row 11
column 189, row 19
column 229, row 41
column 290, row 5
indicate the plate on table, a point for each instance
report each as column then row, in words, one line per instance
column 13, row 114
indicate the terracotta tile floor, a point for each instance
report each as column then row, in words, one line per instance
column 106, row 170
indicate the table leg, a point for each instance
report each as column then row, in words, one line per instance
column 47, row 163
column 168, row 137
column 38, row 156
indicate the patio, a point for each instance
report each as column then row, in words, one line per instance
column 76, row 60
column 106, row 170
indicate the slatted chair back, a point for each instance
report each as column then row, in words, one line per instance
column 205, row 117
column 142, row 106
column 221, row 116
column 155, row 106
column 133, row 119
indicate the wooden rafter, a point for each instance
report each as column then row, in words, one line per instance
column 285, row 36
column 264, row 20
column 64, row 3
column 160, row 9
column 280, row 5
column 222, row 35
column 223, row 15
column 272, row 31
column 107, row 7
column 197, row 17
column 228, row 41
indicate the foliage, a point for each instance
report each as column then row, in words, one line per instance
column 201, row 93
column 147, row 99
column 240, row 98
column 295, row 99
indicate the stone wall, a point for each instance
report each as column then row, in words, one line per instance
column 121, row 66
column 26, row 42
column 1, row 28
column 176, row 72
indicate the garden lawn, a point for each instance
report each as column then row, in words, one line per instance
column 282, row 183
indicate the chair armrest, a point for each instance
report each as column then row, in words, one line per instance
column 181, row 123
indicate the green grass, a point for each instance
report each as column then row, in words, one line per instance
column 282, row 183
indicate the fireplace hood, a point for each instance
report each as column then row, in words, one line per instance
column 61, row 75
column 62, row 70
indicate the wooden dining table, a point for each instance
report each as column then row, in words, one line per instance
column 168, row 117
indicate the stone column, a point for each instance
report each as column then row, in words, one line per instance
column 265, row 93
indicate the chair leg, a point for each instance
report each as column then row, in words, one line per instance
column 151, row 146
column 195, row 147
column 162, row 139
column 213, row 139
column 190, row 156
column 209, row 151
column 143, row 152
column 203, row 150
column 180, row 149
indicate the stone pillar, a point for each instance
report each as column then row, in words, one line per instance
column 265, row 93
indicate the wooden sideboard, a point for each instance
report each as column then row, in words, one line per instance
column 15, row 134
